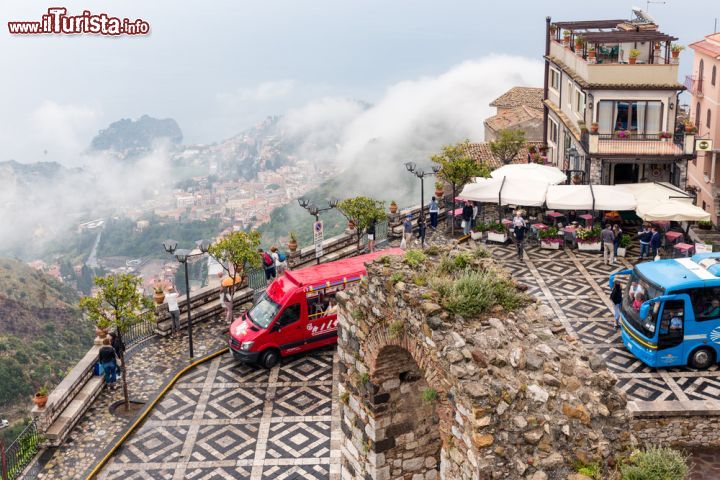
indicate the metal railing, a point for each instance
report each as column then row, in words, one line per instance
column 631, row 136
column 139, row 332
column 694, row 85
column 20, row 452
column 257, row 280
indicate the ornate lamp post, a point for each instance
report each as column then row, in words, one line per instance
column 421, row 174
column 184, row 256
column 315, row 210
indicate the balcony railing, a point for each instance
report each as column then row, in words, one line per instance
column 633, row 136
column 694, row 85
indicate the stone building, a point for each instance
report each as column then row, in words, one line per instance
column 519, row 108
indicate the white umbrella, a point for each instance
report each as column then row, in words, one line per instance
column 530, row 171
column 506, row 191
column 676, row 210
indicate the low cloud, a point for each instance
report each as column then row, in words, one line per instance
column 263, row 92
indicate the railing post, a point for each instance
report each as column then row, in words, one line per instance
column 3, row 461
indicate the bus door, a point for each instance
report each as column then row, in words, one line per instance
column 287, row 331
column 671, row 330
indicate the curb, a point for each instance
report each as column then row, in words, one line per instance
column 93, row 473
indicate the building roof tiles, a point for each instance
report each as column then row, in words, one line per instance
column 519, row 96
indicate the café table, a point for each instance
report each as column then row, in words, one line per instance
column 587, row 218
column 554, row 216
column 671, row 238
column 684, row 249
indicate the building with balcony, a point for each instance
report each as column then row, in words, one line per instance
column 704, row 86
column 611, row 102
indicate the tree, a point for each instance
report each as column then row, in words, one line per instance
column 457, row 168
column 362, row 211
column 233, row 252
column 508, row 144
column 119, row 304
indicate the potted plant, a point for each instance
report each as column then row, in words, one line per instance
column 101, row 332
column 566, row 37
column 496, row 232
column 393, row 207
column 351, row 225
column 665, row 136
column 576, row 179
column 292, row 243
column 159, row 291
column 623, row 245
column 623, row 134
column 439, row 187
column 549, row 238
column 634, row 54
column 41, row 397
column 690, row 127
column 588, row 239
column 705, row 224
column 676, row 49
column 594, row 127
column 477, row 231
column 553, row 29
column 657, row 46
column 583, row 127
column 591, row 53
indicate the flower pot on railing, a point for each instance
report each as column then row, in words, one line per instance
column 292, row 246
column 41, row 397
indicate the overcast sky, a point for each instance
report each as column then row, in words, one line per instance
column 219, row 66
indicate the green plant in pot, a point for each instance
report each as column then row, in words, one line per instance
column 41, row 397
column 633, row 55
column 705, row 224
column 550, row 235
column 496, row 227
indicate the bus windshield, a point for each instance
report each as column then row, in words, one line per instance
column 638, row 290
column 264, row 311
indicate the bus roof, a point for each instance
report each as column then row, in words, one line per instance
column 680, row 273
column 317, row 274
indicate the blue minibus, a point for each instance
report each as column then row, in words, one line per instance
column 670, row 314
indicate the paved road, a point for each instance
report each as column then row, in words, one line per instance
column 227, row 420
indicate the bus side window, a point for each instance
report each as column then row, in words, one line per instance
column 672, row 324
column 706, row 303
column 291, row 314
column 322, row 305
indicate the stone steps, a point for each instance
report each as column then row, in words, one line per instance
column 74, row 410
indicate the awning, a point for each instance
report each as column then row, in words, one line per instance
column 589, row 197
column 676, row 210
column 530, row 171
column 506, row 191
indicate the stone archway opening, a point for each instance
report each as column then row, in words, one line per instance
column 408, row 437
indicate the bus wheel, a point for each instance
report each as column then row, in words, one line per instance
column 269, row 358
column 702, row 358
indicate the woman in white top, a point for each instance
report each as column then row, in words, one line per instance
column 280, row 266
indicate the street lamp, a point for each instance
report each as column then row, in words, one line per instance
column 421, row 174
column 572, row 159
column 184, row 256
column 315, row 210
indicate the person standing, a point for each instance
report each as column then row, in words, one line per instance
column 407, row 230
column 617, row 231
column 616, row 299
column 268, row 264
column 107, row 358
column 171, row 298
column 277, row 263
column 608, row 240
column 421, row 232
column 519, row 228
column 655, row 241
column 474, row 214
column 434, row 212
column 467, row 213
column 371, row 235
column 644, row 237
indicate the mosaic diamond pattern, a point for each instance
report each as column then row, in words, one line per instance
column 648, row 389
column 233, row 421
column 699, row 388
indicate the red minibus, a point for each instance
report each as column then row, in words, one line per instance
column 297, row 312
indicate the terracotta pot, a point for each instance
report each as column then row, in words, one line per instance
column 351, row 225
column 657, row 46
column 292, row 245
column 393, row 208
column 689, row 128
column 632, row 60
column 101, row 332
column 591, row 54
column 675, row 54
column 40, row 400
column 159, row 297
column 594, row 128
column 438, row 193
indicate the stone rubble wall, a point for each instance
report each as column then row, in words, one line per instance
column 514, row 399
column 678, row 431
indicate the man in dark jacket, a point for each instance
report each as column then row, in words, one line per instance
column 519, row 239
column 467, row 215
column 645, row 235
column 655, row 241
column 106, row 357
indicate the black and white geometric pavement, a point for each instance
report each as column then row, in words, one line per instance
column 575, row 286
column 226, row 420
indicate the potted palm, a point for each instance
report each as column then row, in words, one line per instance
column 634, row 54
column 566, row 37
column 591, row 54
column 439, row 187
column 549, row 238
column 393, row 207
column 41, row 397
column 477, row 231
column 579, row 42
column 623, row 245
column 676, row 49
column 292, row 243
column 588, row 239
column 496, row 232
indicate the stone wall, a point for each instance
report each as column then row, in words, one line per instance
column 425, row 394
column 678, row 431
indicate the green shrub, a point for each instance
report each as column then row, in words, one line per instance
column 396, row 328
column 654, row 463
column 384, row 259
column 451, row 264
column 432, row 250
column 591, row 470
column 481, row 252
column 420, row 280
column 396, row 277
column 429, row 395
column 415, row 258
column 476, row 292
